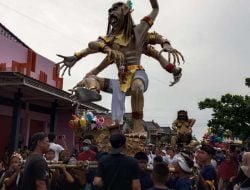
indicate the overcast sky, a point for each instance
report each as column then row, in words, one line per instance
column 214, row 37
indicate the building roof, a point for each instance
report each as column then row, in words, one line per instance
column 151, row 125
column 38, row 92
column 167, row 130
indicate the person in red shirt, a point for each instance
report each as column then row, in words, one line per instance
column 86, row 153
column 227, row 169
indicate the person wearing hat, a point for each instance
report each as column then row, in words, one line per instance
column 151, row 154
column 115, row 170
column 207, row 171
column 86, row 153
column 184, row 173
column 35, row 174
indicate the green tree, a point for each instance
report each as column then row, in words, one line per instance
column 231, row 112
column 247, row 82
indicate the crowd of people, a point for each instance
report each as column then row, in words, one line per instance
column 45, row 165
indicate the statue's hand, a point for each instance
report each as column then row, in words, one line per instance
column 89, row 82
column 67, row 63
column 177, row 73
column 115, row 55
column 89, row 74
column 174, row 52
column 82, row 83
column 74, row 96
column 86, row 90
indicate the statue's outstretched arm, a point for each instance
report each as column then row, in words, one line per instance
column 146, row 23
column 155, row 38
column 155, row 9
column 69, row 61
column 171, row 68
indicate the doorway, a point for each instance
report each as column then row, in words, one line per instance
column 5, row 128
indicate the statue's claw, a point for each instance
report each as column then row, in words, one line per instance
column 172, row 52
column 67, row 63
column 84, row 95
column 177, row 76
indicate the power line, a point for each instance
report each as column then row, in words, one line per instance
column 39, row 22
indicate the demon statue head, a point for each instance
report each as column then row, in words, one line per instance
column 120, row 20
column 182, row 115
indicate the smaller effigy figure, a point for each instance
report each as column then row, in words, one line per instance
column 183, row 127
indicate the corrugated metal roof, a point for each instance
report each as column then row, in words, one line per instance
column 17, row 79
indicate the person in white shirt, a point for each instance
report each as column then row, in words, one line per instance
column 151, row 155
column 54, row 146
column 171, row 156
column 164, row 155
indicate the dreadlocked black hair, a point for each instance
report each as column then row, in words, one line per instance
column 128, row 24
